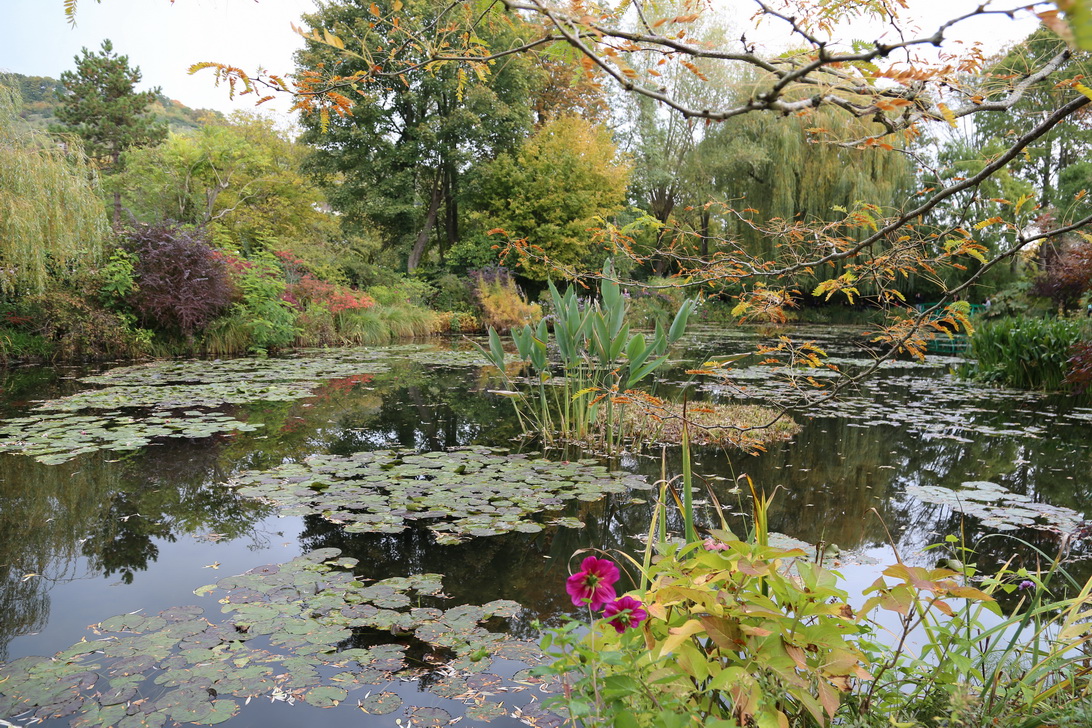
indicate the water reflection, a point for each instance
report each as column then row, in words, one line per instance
column 842, row 480
column 93, row 516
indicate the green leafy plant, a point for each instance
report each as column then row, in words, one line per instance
column 741, row 633
column 1026, row 352
column 600, row 363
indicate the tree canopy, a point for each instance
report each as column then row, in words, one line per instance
column 100, row 104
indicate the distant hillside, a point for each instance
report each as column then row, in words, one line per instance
column 40, row 97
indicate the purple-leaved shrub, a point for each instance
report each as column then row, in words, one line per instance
column 181, row 285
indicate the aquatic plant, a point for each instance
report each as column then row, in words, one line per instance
column 306, row 630
column 600, row 363
column 468, row 492
column 1026, row 352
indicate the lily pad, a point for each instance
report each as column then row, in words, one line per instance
column 63, row 429
column 998, row 508
column 466, row 492
column 287, row 628
column 381, row 703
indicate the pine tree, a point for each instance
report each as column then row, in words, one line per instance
column 101, row 105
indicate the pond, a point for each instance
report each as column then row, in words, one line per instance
column 250, row 516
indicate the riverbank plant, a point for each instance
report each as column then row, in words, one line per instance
column 1026, row 352
column 731, row 632
column 581, row 394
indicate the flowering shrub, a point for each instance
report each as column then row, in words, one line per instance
column 733, row 634
column 594, row 584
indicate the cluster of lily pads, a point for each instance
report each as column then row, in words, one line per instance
column 61, row 429
column 935, row 406
column 474, row 491
column 998, row 508
column 53, row 439
column 306, row 630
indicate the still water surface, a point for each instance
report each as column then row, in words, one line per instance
column 109, row 533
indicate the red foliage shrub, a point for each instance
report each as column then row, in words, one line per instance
column 1079, row 367
column 333, row 298
column 182, row 283
column 1066, row 272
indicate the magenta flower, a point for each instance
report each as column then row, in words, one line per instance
column 593, row 584
column 624, row 613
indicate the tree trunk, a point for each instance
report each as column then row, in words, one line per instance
column 117, row 193
column 426, row 229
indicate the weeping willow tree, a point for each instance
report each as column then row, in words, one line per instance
column 777, row 168
column 53, row 220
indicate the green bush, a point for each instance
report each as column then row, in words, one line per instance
column 453, row 293
column 728, row 633
column 77, row 328
column 269, row 319
column 1025, row 352
column 402, row 291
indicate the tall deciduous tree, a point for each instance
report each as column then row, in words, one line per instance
column 101, row 105
column 52, row 219
column 237, row 177
column 395, row 158
column 552, row 192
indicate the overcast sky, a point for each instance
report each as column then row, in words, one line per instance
column 161, row 38
column 165, row 39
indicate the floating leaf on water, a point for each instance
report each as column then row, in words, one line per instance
column 465, row 492
column 428, row 717
column 283, row 645
column 326, row 696
column 381, row 703
column 998, row 508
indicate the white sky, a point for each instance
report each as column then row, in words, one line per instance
column 165, row 39
column 161, row 38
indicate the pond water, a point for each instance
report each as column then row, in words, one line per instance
column 115, row 499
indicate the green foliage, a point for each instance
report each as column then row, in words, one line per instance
column 42, row 94
column 740, row 633
column 100, row 105
column 52, row 223
column 397, row 164
column 453, row 293
column 655, row 303
column 79, row 329
column 564, row 179
column 241, row 179
column 600, row 363
column 269, row 320
column 118, row 277
column 402, row 290
column 1025, row 352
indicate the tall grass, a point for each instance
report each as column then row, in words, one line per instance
column 1025, row 352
